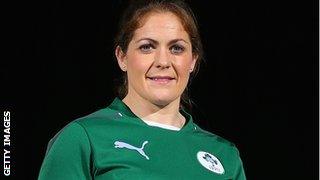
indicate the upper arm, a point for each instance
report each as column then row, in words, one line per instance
column 239, row 173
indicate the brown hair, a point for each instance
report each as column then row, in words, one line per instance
column 133, row 18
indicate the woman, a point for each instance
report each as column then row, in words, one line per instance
column 146, row 133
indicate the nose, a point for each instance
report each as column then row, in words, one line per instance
column 162, row 58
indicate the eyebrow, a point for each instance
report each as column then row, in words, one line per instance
column 156, row 42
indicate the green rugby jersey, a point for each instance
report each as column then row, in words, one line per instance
column 113, row 143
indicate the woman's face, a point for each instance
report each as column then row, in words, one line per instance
column 158, row 60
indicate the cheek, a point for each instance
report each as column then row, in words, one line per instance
column 137, row 63
column 183, row 66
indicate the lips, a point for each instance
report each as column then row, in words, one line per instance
column 161, row 79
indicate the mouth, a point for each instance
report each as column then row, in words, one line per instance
column 161, row 79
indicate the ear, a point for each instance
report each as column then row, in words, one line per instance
column 193, row 63
column 121, row 58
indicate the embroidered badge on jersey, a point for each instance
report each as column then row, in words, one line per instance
column 210, row 162
column 119, row 144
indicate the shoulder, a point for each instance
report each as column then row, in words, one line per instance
column 217, row 140
column 72, row 133
column 79, row 128
column 101, row 120
column 99, row 117
column 68, row 154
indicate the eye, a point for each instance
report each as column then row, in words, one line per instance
column 176, row 49
column 146, row 48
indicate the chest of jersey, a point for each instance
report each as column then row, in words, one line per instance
column 152, row 153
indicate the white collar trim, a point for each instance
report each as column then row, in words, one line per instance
column 164, row 126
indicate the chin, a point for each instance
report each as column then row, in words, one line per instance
column 163, row 99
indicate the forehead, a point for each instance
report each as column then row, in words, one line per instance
column 166, row 24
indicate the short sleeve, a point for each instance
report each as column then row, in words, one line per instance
column 68, row 155
column 239, row 173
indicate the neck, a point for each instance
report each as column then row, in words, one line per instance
column 166, row 114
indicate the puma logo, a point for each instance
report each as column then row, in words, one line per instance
column 119, row 144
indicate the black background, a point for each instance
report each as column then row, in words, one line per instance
column 258, row 87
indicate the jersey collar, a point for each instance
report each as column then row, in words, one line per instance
column 120, row 106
